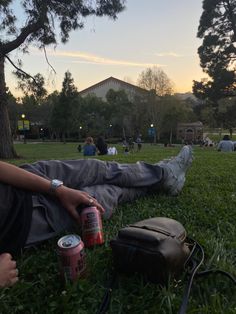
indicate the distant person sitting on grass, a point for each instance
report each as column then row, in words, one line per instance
column 112, row 151
column 101, row 146
column 89, row 149
column 40, row 200
column 226, row 145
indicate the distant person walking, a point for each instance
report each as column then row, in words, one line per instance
column 125, row 145
column 139, row 142
column 226, row 145
column 79, row 148
column 89, row 148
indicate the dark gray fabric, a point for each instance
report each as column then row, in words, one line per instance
column 40, row 229
column 110, row 183
column 87, row 172
column 15, row 212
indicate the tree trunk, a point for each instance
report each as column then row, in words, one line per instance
column 171, row 134
column 63, row 137
column 123, row 131
column 6, row 142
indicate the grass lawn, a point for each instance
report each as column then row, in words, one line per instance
column 207, row 209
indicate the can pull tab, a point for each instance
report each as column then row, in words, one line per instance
column 68, row 242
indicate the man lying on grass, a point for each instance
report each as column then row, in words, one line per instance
column 40, row 200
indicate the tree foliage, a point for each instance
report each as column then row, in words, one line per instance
column 122, row 111
column 38, row 24
column 217, row 53
column 66, row 109
column 165, row 113
column 227, row 113
column 94, row 116
column 43, row 17
column 32, row 86
column 156, row 79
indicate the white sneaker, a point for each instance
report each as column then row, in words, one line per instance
column 175, row 170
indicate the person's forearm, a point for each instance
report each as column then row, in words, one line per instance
column 69, row 198
column 23, row 179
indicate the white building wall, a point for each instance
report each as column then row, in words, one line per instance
column 101, row 90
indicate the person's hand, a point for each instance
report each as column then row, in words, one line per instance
column 71, row 199
column 8, row 271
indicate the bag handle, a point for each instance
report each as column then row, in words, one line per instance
column 160, row 230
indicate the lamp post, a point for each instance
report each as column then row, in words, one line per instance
column 153, row 133
column 41, row 134
column 110, row 130
column 80, row 135
column 23, row 120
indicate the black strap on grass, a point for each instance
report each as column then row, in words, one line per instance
column 107, row 296
column 192, row 265
column 195, row 265
column 192, row 260
column 216, row 272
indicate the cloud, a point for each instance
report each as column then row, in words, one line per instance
column 168, row 54
column 83, row 57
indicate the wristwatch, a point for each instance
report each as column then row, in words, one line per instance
column 55, row 184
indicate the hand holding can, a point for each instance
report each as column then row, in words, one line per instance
column 91, row 223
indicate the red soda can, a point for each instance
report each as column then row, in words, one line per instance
column 71, row 254
column 91, row 223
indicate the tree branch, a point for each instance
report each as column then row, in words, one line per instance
column 25, row 32
column 46, row 57
column 18, row 69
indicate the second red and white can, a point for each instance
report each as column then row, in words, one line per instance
column 72, row 259
column 91, row 222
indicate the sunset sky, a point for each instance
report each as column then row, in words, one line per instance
column 148, row 33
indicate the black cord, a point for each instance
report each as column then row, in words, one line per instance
column 107, row 296
column 216, row 271
column 197, row 248
column 196, row 265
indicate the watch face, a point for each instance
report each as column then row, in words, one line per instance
column 56, row 183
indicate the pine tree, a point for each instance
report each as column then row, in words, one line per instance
column 217, row 53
